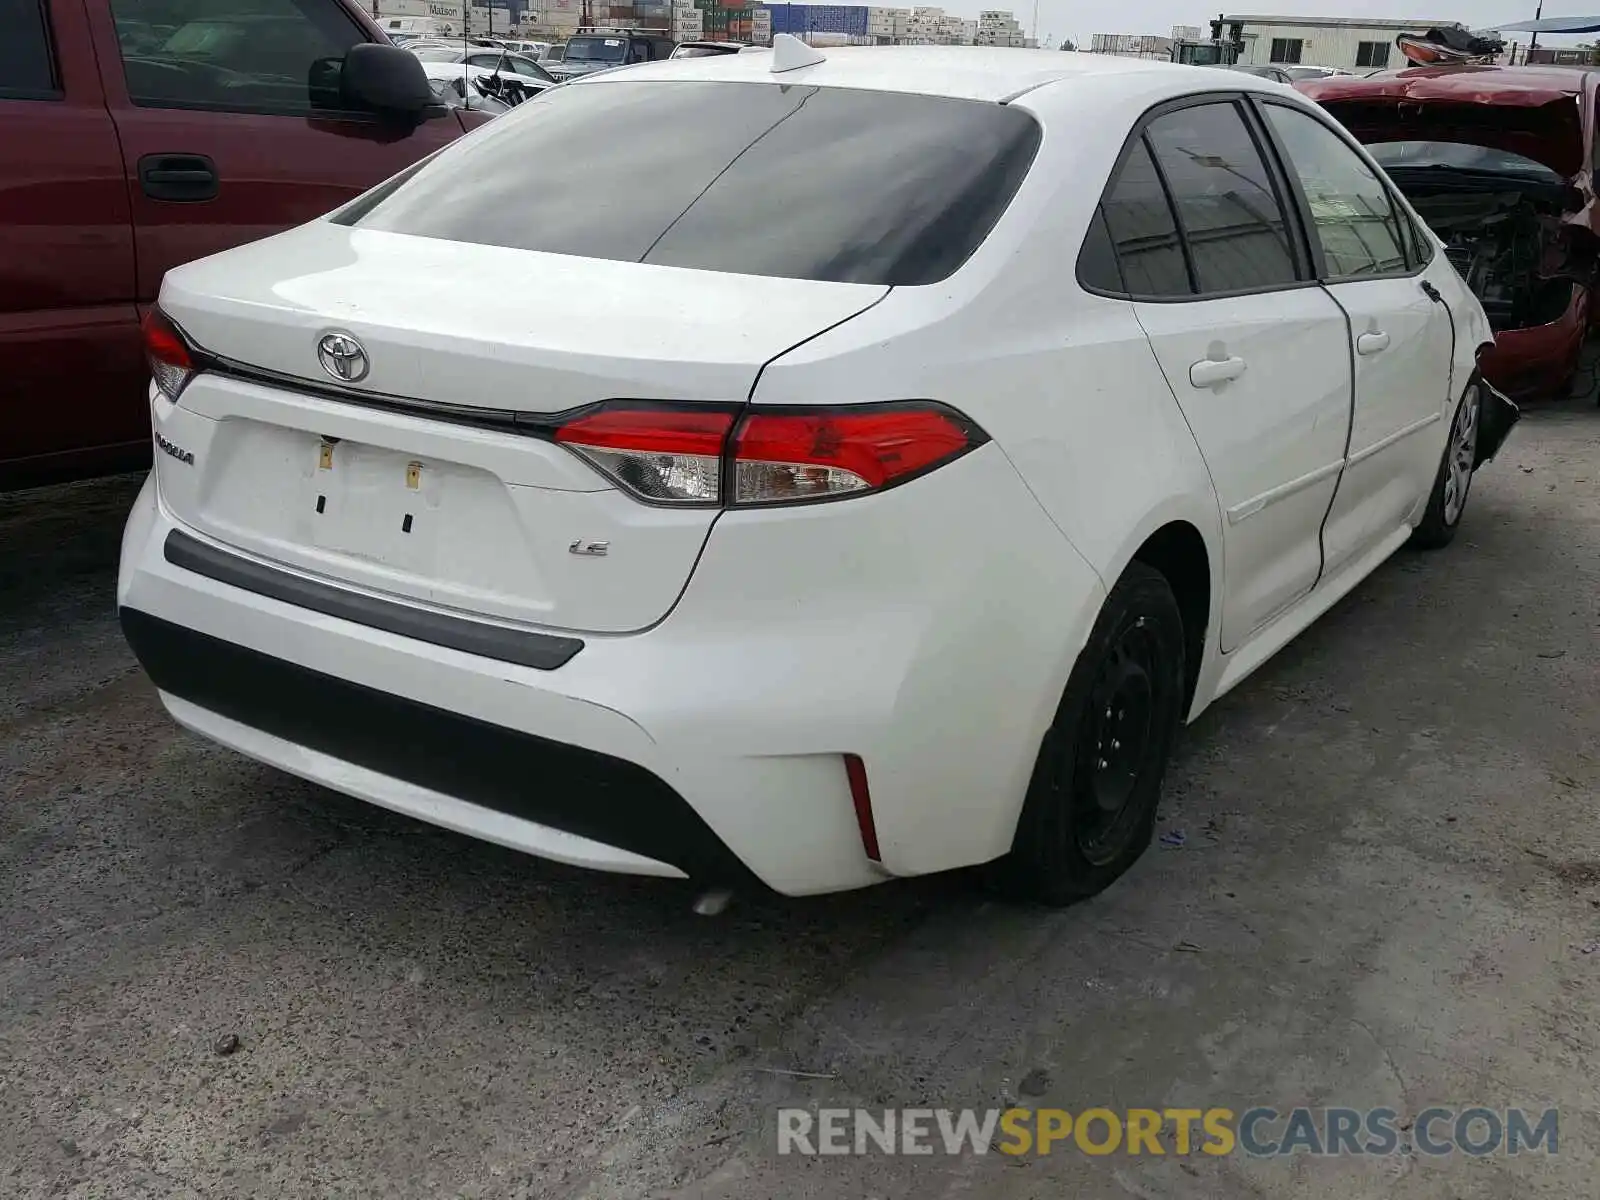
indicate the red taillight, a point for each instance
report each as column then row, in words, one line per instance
column 168, row 354
column 674, row 454
column 665, row 455
column 856, row 772
column 838, row 451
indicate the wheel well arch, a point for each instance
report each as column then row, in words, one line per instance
column 1178, row 551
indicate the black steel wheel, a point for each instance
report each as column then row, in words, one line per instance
column 1091, row 806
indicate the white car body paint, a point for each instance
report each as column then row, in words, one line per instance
column 738, row 654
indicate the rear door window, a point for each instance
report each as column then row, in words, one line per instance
column 1228, row 206
column 1352, row 216
column 27, row 66
column 751, row 178
column 269, row 56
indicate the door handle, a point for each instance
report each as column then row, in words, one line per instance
column 1209, row 372
column 1372, row 342
column 179, row 178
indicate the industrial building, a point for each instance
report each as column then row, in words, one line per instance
column 1349, row 43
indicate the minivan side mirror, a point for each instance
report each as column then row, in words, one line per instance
column 387, row 80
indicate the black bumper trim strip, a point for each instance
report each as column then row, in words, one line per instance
column 597, row 796
column 543, row 651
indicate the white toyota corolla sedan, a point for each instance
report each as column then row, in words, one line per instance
column 894, row 447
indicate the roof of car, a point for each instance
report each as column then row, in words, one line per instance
column 964, row 72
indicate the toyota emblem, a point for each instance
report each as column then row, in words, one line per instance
column 342, row 357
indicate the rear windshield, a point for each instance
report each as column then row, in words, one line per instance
column 1395, row 156
column 753, row 178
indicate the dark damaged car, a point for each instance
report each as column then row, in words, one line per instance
column 1499, row 162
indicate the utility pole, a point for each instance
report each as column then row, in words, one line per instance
column 1538, row 14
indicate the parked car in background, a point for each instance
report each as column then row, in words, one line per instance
column 401, row 30
column 534, row 50
column 576, row 511
column 1276, row 74
column 473, row 89
column 587, row 53
column 526, row 75
column 136, row 135
column 1300, row 72
column 1499, row 163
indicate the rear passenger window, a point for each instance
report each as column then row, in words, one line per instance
column 266, row 56
column 1143, row 230
column 27, row 68
column 1351, row 214
column 1228, row 206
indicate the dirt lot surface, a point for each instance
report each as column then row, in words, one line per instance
column 1388, row 878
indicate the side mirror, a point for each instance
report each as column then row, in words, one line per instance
column 385, row 79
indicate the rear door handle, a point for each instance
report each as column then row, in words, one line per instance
column 179, row 178
column 1209, row 372
column 1372, row 342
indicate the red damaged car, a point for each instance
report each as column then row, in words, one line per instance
column 1499, row 162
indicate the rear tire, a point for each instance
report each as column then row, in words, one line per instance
column 1453, row 483
column 1091, row 805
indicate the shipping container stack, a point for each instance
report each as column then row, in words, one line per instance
column 679, row 19
column 822, row 24
column 651, row 14
column 687, row 25
column 724, row 20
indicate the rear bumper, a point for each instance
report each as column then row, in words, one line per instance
column 1538, row 361
column 929, row 631
column 1499, row 414
column 593, row 797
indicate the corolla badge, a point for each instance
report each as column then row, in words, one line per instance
column 186, row 457
column 343, row 357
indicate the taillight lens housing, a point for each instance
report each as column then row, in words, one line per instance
column 826, row 454
column 660, row 453
column 698, row 455
column 171, row 365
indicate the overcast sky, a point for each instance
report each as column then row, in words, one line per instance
column 1078, row 19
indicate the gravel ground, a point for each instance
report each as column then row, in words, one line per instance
column 1389, row 873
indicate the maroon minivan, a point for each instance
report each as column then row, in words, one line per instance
column 139, row 134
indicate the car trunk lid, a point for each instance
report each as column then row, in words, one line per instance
column 1538, row 118
column 433, row 477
